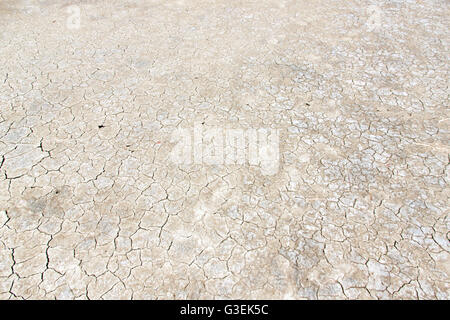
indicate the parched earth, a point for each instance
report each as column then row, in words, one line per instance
column 92, row 206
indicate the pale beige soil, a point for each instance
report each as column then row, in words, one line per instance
column 91, row 206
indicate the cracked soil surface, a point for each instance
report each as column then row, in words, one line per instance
column 91, row 206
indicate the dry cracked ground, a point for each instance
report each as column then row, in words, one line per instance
column 92, row 207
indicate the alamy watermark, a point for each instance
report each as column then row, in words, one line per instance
column 73, row 21
column 374, row 22
column 218, row 146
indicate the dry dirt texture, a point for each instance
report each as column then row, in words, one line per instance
column 91, row 206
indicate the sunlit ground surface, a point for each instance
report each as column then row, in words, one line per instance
column 356, row 205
